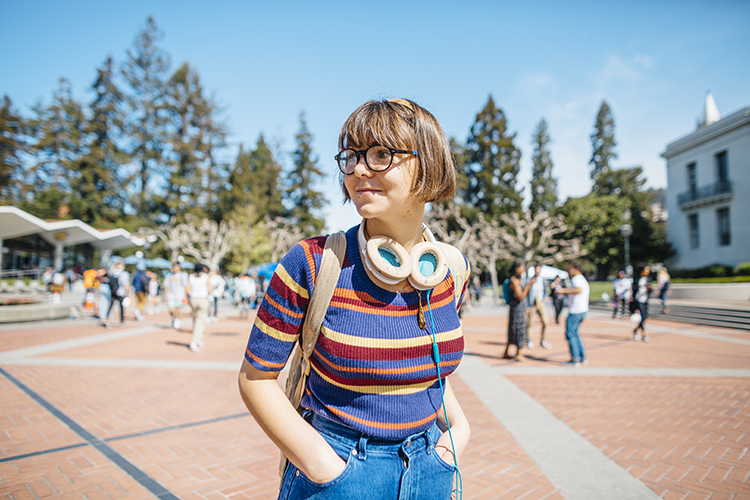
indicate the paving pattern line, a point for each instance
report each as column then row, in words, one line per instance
column 141, row 477
column 592, row 371
column 550, row 442
column 125, row 363
column 77, row 342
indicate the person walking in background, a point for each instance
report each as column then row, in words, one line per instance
column 558, row 300
column 120, row 285
column 621, row 295
column 246, row 291
column 199, row 289
column 537, row 304
column 105, row 294
column 663, row 280
column 578, row 306
column 140, row 285
column 153, row 294
column 641, row 293
column 517, row 312
column 217, row 292
column 174, row 288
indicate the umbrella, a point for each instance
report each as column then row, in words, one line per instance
column 159, row 263
column 266, row 270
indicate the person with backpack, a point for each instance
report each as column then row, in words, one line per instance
column 174, row 290
column 120, row 285
column 140, row 286
column 377, row 412
column 517, row 309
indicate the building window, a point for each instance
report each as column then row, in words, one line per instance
column 722, row 218
column 721, row 167
column 693, row 226
column 692, row 179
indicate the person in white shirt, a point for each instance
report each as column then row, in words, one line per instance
column 641, row 292
column 174, row 291
column 199, row 290
column 578, row 306
column 217, row 291
column 622, row 294
column 537, row 303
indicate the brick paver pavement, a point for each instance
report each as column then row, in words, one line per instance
column 177, row 416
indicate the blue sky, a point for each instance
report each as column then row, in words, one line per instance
column 266, row 62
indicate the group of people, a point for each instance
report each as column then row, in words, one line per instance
column 631, row 297
column 527, row 299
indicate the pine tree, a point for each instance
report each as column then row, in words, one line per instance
column 492, row 164
column 543, row 184
column 304, row 200
column 12, row 145
column 145, row 72
column 57, row 131
column 99, row 180
column 195, row 133
column 603, row 143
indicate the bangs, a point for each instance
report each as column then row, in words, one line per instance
column 385, row 123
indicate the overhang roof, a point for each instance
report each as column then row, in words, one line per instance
column 15, row 223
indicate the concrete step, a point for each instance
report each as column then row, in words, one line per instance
column 726, row 317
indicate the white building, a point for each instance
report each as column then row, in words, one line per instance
column 708, row 191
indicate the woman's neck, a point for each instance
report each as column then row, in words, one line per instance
column 405, row 231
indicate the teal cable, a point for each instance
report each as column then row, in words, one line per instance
column 436, row 357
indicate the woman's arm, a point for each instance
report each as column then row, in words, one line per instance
column 459, row 427
column 519, row 292
column 297, row 439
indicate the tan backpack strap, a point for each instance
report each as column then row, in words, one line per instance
column 327, row 278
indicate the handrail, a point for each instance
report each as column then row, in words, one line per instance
column 709, row 191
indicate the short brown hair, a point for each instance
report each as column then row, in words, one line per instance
column 404, row 124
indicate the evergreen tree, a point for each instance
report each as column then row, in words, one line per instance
column 255, row 182
column 543, row 184
column 603, row 144
column 492, row 164
column 98, row 183
column 12, row 145
column 195, row 133
column 145, row 72
column 58, row 132
column 304, row 200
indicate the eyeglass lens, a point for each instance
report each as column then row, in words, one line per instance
column 378, row 158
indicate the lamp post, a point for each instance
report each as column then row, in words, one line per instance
column 626, row 230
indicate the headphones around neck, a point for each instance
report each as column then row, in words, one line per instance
column 425, row 266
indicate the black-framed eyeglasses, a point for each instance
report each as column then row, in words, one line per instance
column 377, row 158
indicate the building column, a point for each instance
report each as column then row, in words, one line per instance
column 2, row 254
column 59, row 257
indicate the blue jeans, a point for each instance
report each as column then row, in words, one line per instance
column 376, row 469
column 105, row 296
column 572, row 324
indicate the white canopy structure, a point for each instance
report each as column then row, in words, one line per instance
column 15, row 223
column 548, row 273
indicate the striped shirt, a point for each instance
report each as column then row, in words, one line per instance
column 372, row 368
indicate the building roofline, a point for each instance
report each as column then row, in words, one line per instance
column 21, row 223
column 705, row 133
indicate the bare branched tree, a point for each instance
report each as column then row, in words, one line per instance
column 535, row 238
column 173, row 235
column 209, row 241
column 284, row 234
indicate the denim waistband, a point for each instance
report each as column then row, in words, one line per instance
column 351, row 437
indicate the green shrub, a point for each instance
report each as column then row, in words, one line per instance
column 742, row 269
column 712, row 271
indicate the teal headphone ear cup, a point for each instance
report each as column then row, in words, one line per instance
column 389, row 259
column 429, row 266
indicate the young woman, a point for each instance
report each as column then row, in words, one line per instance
column 641, row 292
column 374, row 408
column 517, row 312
